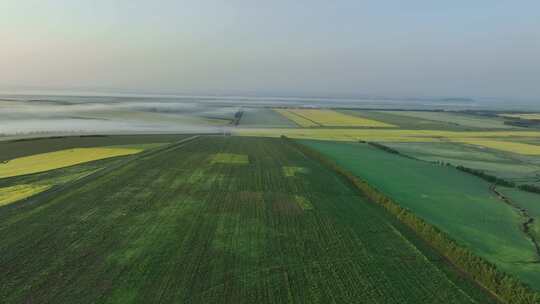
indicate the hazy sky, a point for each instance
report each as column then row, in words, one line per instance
column 274, row 47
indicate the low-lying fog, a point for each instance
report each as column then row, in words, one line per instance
column 83, row 116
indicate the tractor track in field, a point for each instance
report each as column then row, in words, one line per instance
column 306, row 118
column 528, row 220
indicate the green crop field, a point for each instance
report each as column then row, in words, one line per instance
column 171, row 225
column 528, row 201
column 459, row 204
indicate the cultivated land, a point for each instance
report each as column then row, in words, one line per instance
column 297, row 119
column 215, row 219
column 500, row 140
column 463, row 206
column 58, row 159
column 15, row 193
column 330, row 118
column 514, row 147
column 465, row 120
column 264, row 224
column 529, row 116
column 24, row 147
column 509, row 166
column 264, row 118
column 404, row 122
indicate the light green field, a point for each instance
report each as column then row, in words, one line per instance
column 459, row 204
column 514, row 147
column 464, row 120
column 493, row 162
column 293, row 171
column 527, row 200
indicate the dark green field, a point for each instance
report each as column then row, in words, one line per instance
column 194, row 223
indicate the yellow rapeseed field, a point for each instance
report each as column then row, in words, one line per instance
column 330, row 118
column 12, row 194
column 59, row 159
column 514, row 147
column 299, row 120
column 530, row 116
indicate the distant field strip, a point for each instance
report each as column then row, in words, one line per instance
column 455, row 119
column 299, row 120
column 514, row 147
column 383, row 135
column 529, row 116
column 59, row 159
column 330, row 118
column 12, row 194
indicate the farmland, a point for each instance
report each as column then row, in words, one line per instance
column 297, row 119
column 514, row 147
column 329, row 118
column 403, row 121
column 459, row 119
column 18, row 192
column 264, row 118
column 386, row 135
column 253, row 218
column 529, row 116
column 459, row 204
column 262, row 224
column 58, row 159
column 25, row 147
column 509, row 166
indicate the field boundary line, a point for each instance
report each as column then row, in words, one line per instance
column 502, row 286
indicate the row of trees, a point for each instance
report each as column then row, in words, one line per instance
column 530, row 188
column 237, row 117
column 389, row 149
column 487, row 177
column 504, row 286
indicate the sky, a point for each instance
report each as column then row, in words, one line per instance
column 341, row 48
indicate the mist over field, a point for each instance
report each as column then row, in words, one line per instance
column 83, row 117
column 42, row 115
